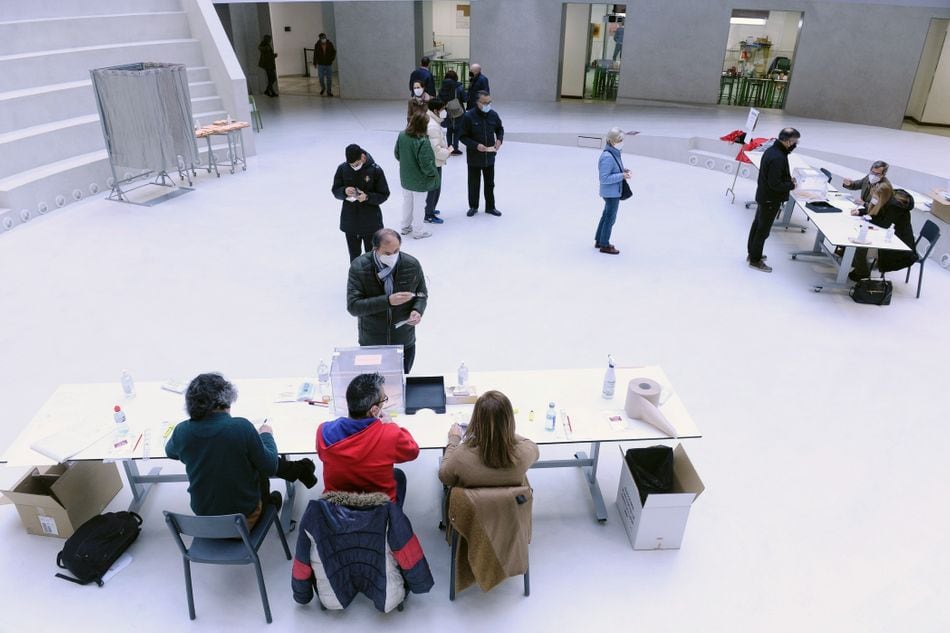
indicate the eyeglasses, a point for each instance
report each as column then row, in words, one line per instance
column 382, row 402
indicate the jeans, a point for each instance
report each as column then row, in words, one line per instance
column 432, row 197
column 325, row 73
column 411, row 200
column 400, row 486
column 607, row 219
column 354, row 242
column 474, row 181
column 761, row 226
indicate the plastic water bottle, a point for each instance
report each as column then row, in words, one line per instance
column 121, row 424
column 610, row 379
column 323, row 378
column 229, row 118
column 550, row 418
column 889, row 235
column 128, row 385
column 463, row 375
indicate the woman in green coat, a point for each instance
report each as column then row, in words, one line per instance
column 417, row 172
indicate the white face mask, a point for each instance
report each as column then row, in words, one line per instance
column 485, row 108
column 873, row 202
column 389, row 260
column 417, row 92
column 618, row 146
column 874, row 179
column 442, row 115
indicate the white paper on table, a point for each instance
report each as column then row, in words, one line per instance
column 120, row 563
column 63, row 445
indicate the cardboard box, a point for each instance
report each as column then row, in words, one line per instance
column 55, row 500
column 941, row 205
column 660, row 522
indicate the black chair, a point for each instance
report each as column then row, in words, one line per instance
column 931, row 233
column 224, row 540
column 826, row 173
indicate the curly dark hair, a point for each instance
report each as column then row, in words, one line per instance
column 207, row 393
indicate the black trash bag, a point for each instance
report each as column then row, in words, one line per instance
column 652, row 469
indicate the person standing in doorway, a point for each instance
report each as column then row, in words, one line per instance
column 268, row 62
column 775, row 184
column 612, row 175
column 478, row 83
column 417, row 173
column 361, row 184
column 323, row 55
column 482, row 134
column 618, row 41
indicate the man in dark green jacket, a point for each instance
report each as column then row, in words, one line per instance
column 387, row 293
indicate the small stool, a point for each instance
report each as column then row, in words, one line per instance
column 726, row 84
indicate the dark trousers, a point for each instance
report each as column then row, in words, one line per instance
column 432, row 198
column 860, row 265
column 761, row 226
column 453, row 129
column 400, row 486
column 408, row 356
column 354, row 242
column 474, row 182
column 271, row 80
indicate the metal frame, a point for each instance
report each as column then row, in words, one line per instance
column 588, row 466
column 820, row 251
column 234, row 159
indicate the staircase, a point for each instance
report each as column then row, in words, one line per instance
column 51, row 148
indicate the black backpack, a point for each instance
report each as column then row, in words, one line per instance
column 91, row 550
column 872, row 291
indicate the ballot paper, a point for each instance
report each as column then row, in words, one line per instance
column 63, row 445
column 401, row 323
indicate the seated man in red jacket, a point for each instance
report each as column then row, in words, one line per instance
column 358, row 452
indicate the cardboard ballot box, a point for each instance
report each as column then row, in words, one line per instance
column 55, row 500
column 941, row 204
column 660, row 522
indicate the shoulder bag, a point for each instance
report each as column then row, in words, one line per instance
column 625, row 191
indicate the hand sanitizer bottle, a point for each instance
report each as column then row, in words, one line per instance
column 463, row 375
column 610, row 379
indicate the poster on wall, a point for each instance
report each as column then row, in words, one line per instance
column 462, row 16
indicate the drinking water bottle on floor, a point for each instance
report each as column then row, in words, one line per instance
column 463, row 375
column 550, row 418
column 323, row 377
column 610, row 379
column 128, row 386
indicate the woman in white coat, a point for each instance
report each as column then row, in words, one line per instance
column 442, row 152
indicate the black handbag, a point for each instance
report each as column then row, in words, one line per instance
column 625, row 191
column 872, row 291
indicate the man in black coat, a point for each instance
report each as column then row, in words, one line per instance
column 775, row 184
column 478, row 82
column 482, row 133
column 361, row 184
column 386, row 291
column 423, row 76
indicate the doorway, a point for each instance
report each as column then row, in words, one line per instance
column 759, row 59
column 929, row 103
column 591, row 50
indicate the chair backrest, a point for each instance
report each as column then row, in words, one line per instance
column 826, row 172
column 222, row 526
column 931, row 233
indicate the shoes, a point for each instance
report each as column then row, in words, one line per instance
column 329, row 94
column 853, row 276
column 434, row 220
column 760, row 266
column 609, row 249
column 275, row 500
column 421, row 234
column 494, row 212
column 599, row 246
column 406, row 230
column 456, row 152
column 436, row 212
column 323, row 91
column 764, row 257
column 471, row 212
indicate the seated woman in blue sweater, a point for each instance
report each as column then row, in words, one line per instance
column 227, row 460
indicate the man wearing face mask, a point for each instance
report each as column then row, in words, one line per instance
column 424, row 77
column 877, row 174
column 442, row 152
column 775, row 184
column 477, row 82
column 482, row 133
column 323, row 55
column 361, row 184
column 386, row 291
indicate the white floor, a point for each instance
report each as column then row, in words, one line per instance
column 824, row 421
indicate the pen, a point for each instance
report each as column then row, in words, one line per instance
column 569, row 425
column 318, row 403
column 137, row 442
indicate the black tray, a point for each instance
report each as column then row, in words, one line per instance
column 425, row 392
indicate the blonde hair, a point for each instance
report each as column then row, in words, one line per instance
column 884, row 191
column 615, row 135
column 492, row 430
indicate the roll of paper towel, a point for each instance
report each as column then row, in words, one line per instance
column 643, row 398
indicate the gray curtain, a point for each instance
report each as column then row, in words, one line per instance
column 145, row 111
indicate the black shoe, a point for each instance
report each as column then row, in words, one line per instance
column 760, row 266
column 323, row 91
column 853, row 276
column 494, row 212
column 456, row 152
column 329, row 94
column 471, row 212
column 275, row 500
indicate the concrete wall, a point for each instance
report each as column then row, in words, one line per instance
column 249, row 22
column 305, row 20
column 376, row 48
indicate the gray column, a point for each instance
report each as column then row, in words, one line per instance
column 376, row 47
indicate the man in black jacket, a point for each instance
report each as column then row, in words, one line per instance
column 361, row 184
column 423, row 76
column 386, row 291
column 477, row 82
column 775, row 183
column 482, row 134
column 323, row 55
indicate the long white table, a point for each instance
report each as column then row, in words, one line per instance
column 155, row 411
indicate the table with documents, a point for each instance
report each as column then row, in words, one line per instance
column 83, row 414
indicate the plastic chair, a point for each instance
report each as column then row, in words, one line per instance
column 455, row 538
column 931, row 233
column 224, row 540
column 255, row 114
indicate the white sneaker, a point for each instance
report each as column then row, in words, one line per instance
column 407, row 230
column 421, row 234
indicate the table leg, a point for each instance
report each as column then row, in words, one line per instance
column 786, row 219
column 588, row 466
column 816, row 250
column 141, row 485
column 844, row 267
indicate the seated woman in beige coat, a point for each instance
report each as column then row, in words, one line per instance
column 490, row 453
